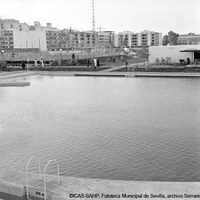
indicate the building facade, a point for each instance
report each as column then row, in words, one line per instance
column 16, row 35
column 12, row 24
column 189, row 39
column 35, row 39
column 174, row 53
column 68, row 39
column 6, row 39
column 105, row 38
column 131, row 39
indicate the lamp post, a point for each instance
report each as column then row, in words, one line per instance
column 60, row 57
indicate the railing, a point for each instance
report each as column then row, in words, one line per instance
column 40, row 176
column 45, row 189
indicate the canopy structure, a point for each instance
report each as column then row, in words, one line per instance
column 195, row 54
column 191, row 50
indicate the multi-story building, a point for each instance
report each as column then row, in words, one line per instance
column 7, row 24
column 6, row 39
column 67, row 39
column 12, row 24
column 56, row 40
column 16, row 35
column 24, row 27
column 82, row 39
column 131, row 39
column 105, row 38
column 189, row 39
column 123, row 39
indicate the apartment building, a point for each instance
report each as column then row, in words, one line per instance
column 82, row 39
column 12, row 24
column 131, row 39
column 6, row 39
column 67, row 39
column 189, row 39
column 56, row 40
column 105, row 38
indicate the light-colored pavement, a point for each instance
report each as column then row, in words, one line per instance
column 12, row 76
column 71, row 188
column 132, row 65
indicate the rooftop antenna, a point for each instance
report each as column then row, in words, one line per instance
column 93, row 16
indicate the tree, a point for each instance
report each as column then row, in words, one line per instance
column 165, row 40
column 144, row 52
column 173, row 38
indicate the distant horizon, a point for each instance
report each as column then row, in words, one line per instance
column 179, row 16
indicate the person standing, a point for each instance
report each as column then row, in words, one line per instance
column 88, row 62
column 23, row 64
column 27, row 63
column 98, row 65
column 35, row 63
column 95, row 63
column 126, row 65
column 42, row 62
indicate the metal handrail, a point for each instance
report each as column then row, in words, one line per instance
column 45, row 189
column 40, row 176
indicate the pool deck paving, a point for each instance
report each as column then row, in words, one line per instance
column 12, row 76
column 86, row 188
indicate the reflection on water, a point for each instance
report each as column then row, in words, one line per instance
column 112, row 128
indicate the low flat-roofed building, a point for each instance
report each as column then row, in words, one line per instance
column 174, row 53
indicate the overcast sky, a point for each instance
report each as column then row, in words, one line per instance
column 181, row 16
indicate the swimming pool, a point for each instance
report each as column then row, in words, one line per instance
column 107, row 128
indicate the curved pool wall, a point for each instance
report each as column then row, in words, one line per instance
column 13, row 187
column 190, row 134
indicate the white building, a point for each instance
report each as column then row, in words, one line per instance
column 30, row 39
column 144, row 38
column 175, row 53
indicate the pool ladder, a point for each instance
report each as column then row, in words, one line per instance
column 40, row 175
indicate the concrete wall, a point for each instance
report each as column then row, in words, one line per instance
column 30, row 39
column 11, row 192
column 171, row 51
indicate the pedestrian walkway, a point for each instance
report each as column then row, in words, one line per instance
column 10, row 75
column 122, row 66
